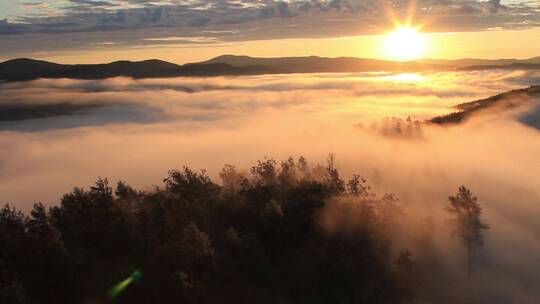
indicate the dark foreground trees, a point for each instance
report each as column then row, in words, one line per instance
column 284, row 233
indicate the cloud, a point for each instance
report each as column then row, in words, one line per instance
column 50, row 116
column 532, row 116
column 48, row 103
column 253, row 20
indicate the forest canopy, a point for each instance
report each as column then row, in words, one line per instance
column 286, row 232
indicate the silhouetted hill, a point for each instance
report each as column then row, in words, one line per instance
column 20, row 69
column 534, row 59
column 500, row 102
column 315, row 64
column 218, row 69
column 28, row 69
column 464, row 62
column 512, row 66
column 352, row 64
column 468, row 62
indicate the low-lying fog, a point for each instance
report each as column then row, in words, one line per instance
column 136, row 130
column 59, row 133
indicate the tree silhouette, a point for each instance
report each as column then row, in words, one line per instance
column 467, row 223
column 257, row 237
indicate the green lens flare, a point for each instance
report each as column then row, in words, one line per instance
column 117, row 289
column 136, row 275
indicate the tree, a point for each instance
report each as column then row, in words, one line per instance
column 333, row 180
column 467, row 223
column 257, row 237
column 11, row 291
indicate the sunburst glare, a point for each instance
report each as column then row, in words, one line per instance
column 405, row 43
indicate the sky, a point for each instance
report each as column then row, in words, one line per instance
column 86, row 31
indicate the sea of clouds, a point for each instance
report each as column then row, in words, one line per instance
column 137, row 130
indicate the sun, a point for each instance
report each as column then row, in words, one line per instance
column 405, row 43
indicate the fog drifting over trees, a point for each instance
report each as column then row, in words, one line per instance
column 138, row 130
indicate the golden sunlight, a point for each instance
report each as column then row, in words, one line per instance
column 405, row 43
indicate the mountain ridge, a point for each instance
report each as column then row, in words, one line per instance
column 24, row 69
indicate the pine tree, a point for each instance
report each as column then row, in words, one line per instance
column 467, row 222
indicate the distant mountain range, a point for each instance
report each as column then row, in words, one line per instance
column 28, row 69
column 316, row 64
column 472, row 62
